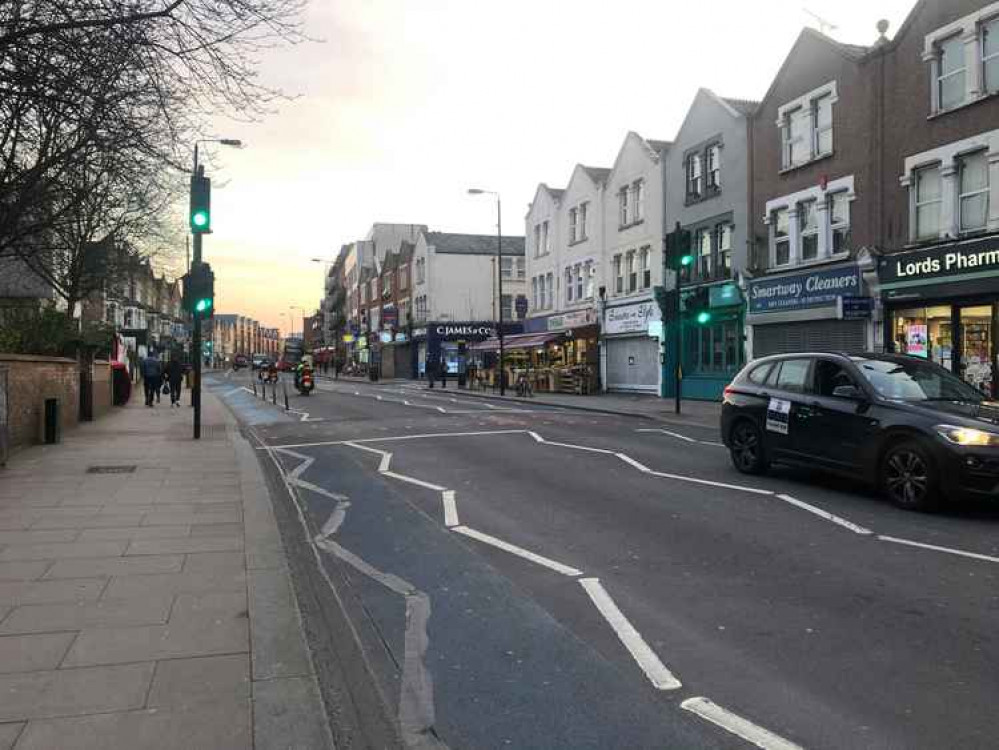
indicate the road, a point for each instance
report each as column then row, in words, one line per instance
column 531, row 577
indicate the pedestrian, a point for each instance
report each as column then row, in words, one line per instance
column 430, row 372
column 337, row 367
column 175, row 377
column 443, row 368
column 152, row 376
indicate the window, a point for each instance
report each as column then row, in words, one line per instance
column 404, row 278
column 951, row 90
column 716, row 349
column 793, row 375
column 973, row 173
column 638, row 209
column 839, row 222
column 573, row 225
column 618, row 276
column 694, row 176
column 506, row 307
column 632, row 274
column 714, row 166
column 829, row 376
column 724, row 255
column 421, row 270
column 537, row 240
column 758, row 375
column 644, row 262
column 622, row 200
column 551, row 290
column 808, row 228
column 794, row 136
column 506, row 266
column 822, row 129
column 928, row 202
column 990, row 55
column 541, row 293
column 582, row 220
column 546, row 240
column 534, row 294
column 782, row 239
column 568, row 285
column 579, row 282
column 702, row 247
column 588, row 275
column 521, row 268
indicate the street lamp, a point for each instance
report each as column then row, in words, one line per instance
column 198, row 355
column 499, row 283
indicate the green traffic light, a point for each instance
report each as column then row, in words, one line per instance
column 202, row 305
column 200, row 218
column 703, row 317
column 686, row 260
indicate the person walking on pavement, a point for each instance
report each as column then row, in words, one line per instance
column 443, row 370
column 152, row 376
column 431, row 375
column 174, row 377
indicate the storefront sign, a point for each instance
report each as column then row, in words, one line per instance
column 853, row 308
column 631, row 318
column 386, row 337
column 464, row 331
column 571, row 320
column 419, row 333
column 724, row 295
column 978, row 258
column 803, row 289
column 390, row 317
column 400, row 337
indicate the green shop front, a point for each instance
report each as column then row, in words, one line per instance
column 942, row 304
column 712, row 344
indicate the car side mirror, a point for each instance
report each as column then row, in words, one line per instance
column 848, row 391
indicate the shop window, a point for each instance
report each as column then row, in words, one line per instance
column 808, row 227
column 724, row 255
column 714, row 348
column 618, row 275
column 780, row 227
column 925, row 332
column 839, row 222
column 927, row 203
column 646, row 267
column 973, row 173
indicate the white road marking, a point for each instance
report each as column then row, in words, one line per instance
column 838, row 520
column 679, row 436
column 578, row 447
column 395, row 437
column 936, row 548
column 632, row 462
column 519, row 551
column 412, row 480
column 730, row 722
column 450, row 508
column 336, row 519
column 641, row 652
column 236, row 390
column 711, row 483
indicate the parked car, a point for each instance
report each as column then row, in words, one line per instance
column 905, row 424
column 239, row 362
column 260, row 362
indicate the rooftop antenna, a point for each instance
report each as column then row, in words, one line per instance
column 824, row 26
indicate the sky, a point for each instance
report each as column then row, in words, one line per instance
column 400, row 106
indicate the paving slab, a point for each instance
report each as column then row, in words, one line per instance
column 73, row 692
column 288, row 714
column 27, row 570
column 30, row 653
column 9, row 734
column 278, row 647
column 41, row 618
column 152, row 729
column 200, row 562
column 177, row 583
column 184, row 546
column 116, row 566
column 130, row 533
column 189, row 683
column 14, row 593
column 40, row 536
column 217, row 529
column 167, row 518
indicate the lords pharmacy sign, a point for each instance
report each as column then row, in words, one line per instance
column 975, row 258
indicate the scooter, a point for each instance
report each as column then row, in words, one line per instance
column 304, row 382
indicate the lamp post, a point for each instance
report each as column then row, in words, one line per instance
column 198, row 355
column 499, row 283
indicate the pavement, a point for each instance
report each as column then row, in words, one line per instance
column 525, row 574
column 145, row 599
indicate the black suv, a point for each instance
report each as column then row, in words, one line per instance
column 908, row 425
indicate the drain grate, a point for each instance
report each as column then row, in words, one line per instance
column 120, row 469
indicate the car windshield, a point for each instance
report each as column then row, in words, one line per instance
column 912, row 380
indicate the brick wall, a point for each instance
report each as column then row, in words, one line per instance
column 31, row 380
column 102, row 388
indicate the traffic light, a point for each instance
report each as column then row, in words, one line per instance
column 697, row 305
column 199, row 290
column 683, row 256
column 201, row 204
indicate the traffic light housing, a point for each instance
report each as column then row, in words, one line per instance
column 201, row 204
column 680, row 248
column 199, row 290
column 697, row 305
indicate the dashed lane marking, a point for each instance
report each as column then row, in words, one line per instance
column 730, row 722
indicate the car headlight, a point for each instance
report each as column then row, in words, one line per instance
column 967, row 435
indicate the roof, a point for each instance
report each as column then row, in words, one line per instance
column 659, row 145
column 742, row 106
column 447, row 243
column 597, row 174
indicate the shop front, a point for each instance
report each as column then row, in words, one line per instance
column 942, row 304
column 712, row 351
column 447, row 344
column 828, row 309
column 631, row 348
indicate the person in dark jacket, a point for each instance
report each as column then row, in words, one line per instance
column 152, row 376
column 175, row 377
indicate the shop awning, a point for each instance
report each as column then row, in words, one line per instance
column 517, row 341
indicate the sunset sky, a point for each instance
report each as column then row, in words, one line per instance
column 404, row 105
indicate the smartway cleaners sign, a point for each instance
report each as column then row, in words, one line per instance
column 803, row 289
column 978, row 258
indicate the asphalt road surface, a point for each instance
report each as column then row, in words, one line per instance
column 530, row 577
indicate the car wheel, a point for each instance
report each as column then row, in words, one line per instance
column 908, row 476
column 746, row 448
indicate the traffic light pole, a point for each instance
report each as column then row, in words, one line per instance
column 196, row 351
column 678, row 336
